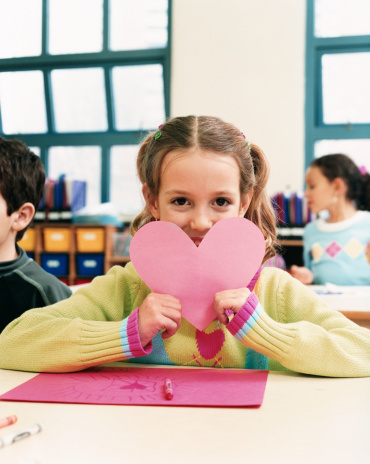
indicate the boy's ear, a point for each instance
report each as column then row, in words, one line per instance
column 151, row 201
column 23, row 216
column 246, row 201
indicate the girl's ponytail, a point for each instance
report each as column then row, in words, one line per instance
column 260, row 210
column 141, row 166
column 363, row 198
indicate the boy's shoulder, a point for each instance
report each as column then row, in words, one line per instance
column 46, row 283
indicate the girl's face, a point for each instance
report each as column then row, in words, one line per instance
column 320, row 192
column 197, row 189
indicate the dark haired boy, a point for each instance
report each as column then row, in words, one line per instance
column 23, row 283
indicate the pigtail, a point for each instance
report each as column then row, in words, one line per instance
column 260, row 210
column 363, row 199
column 145, row 215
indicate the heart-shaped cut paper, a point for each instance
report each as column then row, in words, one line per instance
column 170, row 263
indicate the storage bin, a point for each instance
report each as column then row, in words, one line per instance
column 56, row 264
column 57, row 239
column 90, row 240
column 28, row 240
column 90, row 264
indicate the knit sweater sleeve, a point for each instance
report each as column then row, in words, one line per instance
column 97, row 324
column 301, row 332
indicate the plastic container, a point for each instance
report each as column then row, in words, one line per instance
column 57, row 239
column 56, row 264
column 28, row 240
column 90, row 264
column 90, row 240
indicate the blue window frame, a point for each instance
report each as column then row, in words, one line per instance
column 337, row 79
column 60, row 88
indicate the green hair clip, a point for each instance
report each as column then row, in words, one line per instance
column 157, row 135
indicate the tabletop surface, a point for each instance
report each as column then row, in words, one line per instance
column 303, row 419
column 344, row 298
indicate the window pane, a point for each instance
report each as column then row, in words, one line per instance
column 138, row 24
column 125, row 187
column 346, row 89
column 138, row 97
column 20, row 31
column 35, row 150
column 22, row 102
column 79, row 100
column 357, row 149
column 337, row 18
column 75, row 26
column 81, row 163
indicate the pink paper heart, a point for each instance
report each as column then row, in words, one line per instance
column 170, row 263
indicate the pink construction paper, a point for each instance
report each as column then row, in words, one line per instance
column 145, row 386
column 170, row 263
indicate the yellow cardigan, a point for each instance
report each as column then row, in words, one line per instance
column 282, row 326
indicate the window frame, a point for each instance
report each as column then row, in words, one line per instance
column 316, row 47
column 105, row 59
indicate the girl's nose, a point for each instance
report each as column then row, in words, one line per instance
column 201, row 222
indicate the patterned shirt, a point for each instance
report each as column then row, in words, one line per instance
column 336, row 252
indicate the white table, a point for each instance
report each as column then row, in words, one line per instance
column 303, row 419
column 353, row 302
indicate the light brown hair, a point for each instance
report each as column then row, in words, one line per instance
column 211, row 134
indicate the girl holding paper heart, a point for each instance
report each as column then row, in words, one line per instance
column 207, row 226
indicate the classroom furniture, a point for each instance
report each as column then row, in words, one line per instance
column 75, row 253
column 64, row 257
column 352, row 301
column 303, row 419
column 290, row 245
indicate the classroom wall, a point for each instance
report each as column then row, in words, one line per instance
column 244, row 61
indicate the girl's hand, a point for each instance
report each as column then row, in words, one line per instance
column 158, row 312
column 303, row 274
column 229, row 299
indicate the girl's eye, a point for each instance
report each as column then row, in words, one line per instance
column 222, row 202
column 180, row 201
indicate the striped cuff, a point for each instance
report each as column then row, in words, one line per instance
column 130, row 337
column 245, row 318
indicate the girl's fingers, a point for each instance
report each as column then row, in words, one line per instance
column 165, row 300
column 170, row 329
column 229, row 301
column 157, row 313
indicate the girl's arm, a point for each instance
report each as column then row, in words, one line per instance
column 98, row 324
column 293, row 326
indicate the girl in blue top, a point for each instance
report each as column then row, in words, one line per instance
column 336, row 250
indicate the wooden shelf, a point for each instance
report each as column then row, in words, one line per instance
column 118, row 260
column 73, row 252
column 290, row 242
column 291, row 250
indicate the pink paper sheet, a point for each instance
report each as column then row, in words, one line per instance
column 145, row 386
column 170, row 263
